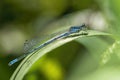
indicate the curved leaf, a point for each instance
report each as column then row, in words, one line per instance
column 26, row 64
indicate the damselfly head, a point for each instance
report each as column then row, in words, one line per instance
column 75, row 29
column 83, row 27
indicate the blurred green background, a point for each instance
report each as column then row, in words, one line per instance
column 87, row 58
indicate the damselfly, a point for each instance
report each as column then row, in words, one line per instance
column 73, row 29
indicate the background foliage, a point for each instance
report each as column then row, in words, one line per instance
column 86, row 58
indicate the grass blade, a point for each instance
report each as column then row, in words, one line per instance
column 26, row 64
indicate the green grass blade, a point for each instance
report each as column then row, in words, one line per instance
column 26, row 64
